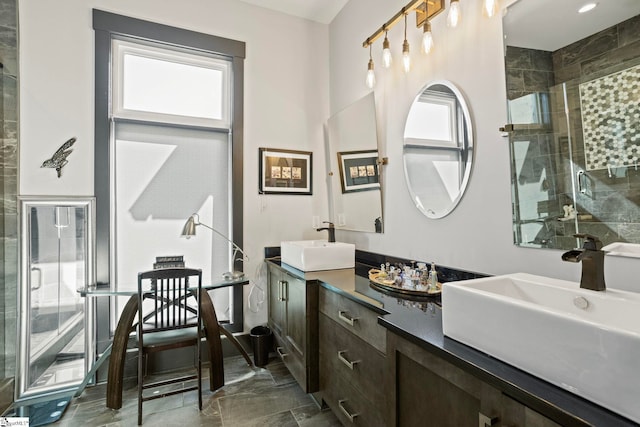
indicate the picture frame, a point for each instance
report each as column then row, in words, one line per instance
column 285, row 171
column 359, row 170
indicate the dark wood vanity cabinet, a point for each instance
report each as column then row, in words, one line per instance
column 430, row 391
column 352, row 361
column 293, row 318
column 376, row 362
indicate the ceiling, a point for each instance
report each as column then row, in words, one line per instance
column 552, row 24
column 541, row 24
column 322, row 11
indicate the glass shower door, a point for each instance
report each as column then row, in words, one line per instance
column 56, row 262
column 542, row 170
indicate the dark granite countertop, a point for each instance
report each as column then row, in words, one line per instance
column 420, row 322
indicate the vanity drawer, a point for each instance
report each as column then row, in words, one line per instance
column 348, row 404
column 347, row 356
column 292, row 359
column 354, row 317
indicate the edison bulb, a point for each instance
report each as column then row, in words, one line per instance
column 371, row 79
column 371, row 76
column 386, row 53
column 490, row 7
column 453, row 18
column 427, row 42
column 406, row 58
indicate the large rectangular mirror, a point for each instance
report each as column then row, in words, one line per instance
column 574, row 111
column 354, row 170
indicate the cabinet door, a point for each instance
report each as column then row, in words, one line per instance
column 430, row 391
column 426, row 398
column 515, row 414
column 296, row 302
column 276, row 301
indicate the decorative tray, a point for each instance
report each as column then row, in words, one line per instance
column 378, row 278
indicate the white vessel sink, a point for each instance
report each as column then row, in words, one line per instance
column 622, row 266
column 316, row 255
column 631, row 250
column 584, row 341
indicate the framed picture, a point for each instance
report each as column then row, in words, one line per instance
column 285, row 171
column 358, row 170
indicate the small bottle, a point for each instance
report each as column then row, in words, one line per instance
column 433, row 278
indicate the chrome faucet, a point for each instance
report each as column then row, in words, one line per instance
column 331, row 229
column 592, row 258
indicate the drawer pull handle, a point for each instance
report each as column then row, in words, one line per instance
column 280, row 353
column 346, row 318
column 345, row 411
column 485, row 421
column 348, row 363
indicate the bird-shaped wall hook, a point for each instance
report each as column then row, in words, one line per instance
column 59, row 158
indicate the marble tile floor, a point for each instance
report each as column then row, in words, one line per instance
column 251, row 397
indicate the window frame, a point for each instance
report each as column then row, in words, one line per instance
column 122, row 47
column 108, row 26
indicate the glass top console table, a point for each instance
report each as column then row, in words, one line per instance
column 126, row 324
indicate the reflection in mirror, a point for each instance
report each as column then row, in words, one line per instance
column 438, row 149
column 353, row 154
column 574, row 102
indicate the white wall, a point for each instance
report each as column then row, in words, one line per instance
column 477, row 236
column 286, row 101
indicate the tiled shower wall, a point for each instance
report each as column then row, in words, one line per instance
column 8, row 198
column 612, row 200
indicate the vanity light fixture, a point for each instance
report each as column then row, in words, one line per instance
column 425, row 11
column 371, row 76
column 453, row 18
column 490, row 7
column 587, row 7
column 427, row 37
column 406, row 57
column 386, row 51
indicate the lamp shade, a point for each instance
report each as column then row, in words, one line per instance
column 189, row 228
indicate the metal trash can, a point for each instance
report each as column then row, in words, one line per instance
column 261, row 342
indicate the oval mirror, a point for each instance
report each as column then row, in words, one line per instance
column 438, row 149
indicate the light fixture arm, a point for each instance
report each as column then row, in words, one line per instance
column 236, row 248
column 432, row 8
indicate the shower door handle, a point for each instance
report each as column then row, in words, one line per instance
column 580, row 177
column 39, row 271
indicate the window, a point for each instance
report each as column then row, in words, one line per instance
column 441, row 129
column 170, row 86
column 168, row 144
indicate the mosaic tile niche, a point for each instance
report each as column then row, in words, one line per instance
column 610, row 120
